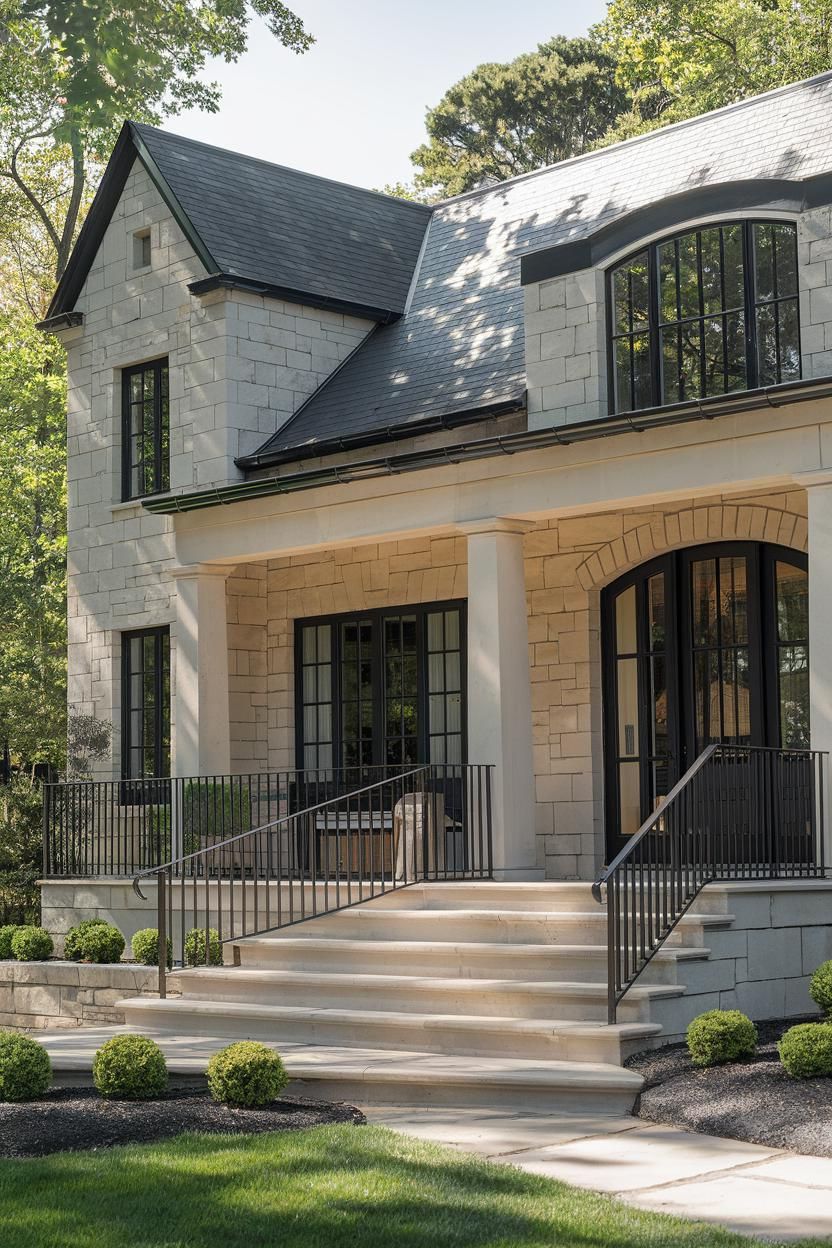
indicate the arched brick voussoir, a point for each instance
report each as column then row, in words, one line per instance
column 690, row 527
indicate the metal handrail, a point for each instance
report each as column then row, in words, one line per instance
column 738, row 813
column 117, row 827
column 443, row 813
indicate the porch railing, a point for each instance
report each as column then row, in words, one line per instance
column 428, row 823
column 119, row 827
column 739, row 813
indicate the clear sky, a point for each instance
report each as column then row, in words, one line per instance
column 353, row 107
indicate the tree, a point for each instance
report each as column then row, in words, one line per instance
column 505, row 119
column 71, row 72
column 680, row 58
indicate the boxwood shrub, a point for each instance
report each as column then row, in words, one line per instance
column 6, row 933
column 75, row 936
column 145, row 946
column 806, row 1050
column 719, row 1036
column 820, row 986
column 246, row 1073
column 31, row 944
column 25, row 1069
column 130, row 1068
column 103, row 943
column 195, row 947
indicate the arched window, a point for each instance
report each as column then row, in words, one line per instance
column 707, row 312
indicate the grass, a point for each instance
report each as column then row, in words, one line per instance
column 330, row 1187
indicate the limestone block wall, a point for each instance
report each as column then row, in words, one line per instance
column 36, row 996
column 760, row 964
column 566, row 349
column 239, row 365
column 814, row 250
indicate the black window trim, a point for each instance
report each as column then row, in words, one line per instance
column 751, row 304
column 159, row 633
column 421, row 610
column 158, row 366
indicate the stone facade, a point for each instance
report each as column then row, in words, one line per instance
column 566, row 349
column 39, row 995
column 239, row 365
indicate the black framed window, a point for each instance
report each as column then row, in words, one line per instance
column 382, row 687
column 145, row 399
column 707, row 312
column 145, row 683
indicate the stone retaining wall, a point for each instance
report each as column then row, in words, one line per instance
column 40, row 995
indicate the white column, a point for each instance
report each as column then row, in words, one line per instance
column 499, row 688
column 819, row 493
column 202, row 740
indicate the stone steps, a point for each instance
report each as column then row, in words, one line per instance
column 541, row 999
column 500, row 986
column 365, row 1076
column 463, row 959
column 392, row 1030
column 373, row 922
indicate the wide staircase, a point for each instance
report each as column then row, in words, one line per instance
column 460, row 993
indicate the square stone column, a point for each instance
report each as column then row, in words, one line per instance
column 499, row 688
column 819, row 493
column 203, row 741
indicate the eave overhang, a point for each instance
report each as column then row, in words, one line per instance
column 230, row 281
column 502, row 444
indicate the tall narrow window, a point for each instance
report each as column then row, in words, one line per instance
column 145, row 430
column 704, row 313
column 145, row 682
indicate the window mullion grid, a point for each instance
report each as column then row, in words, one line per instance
column 724, row 302
column 631, row 340
column 750, row 293
column 700, row 291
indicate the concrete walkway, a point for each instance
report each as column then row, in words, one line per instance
column 745, row 1187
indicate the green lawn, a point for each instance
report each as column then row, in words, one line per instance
column 332, row 1187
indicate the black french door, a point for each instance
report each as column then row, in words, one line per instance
column 705, row 645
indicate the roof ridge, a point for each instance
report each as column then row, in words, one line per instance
column 143, row 128
column 736, row 106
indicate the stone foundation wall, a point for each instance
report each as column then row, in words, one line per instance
column 761, row 963
column 40, row 995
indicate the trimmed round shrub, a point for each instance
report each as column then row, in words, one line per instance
column 103, row 943
column 6, row 934
column 246, row 1073
column 31, row 944
column 76, row 934
column 820, row 987
column 130, row 1068
column 145, row 946
column 25, row 1068
column 806, row 1050
column 720, row 1036
column 195, row 947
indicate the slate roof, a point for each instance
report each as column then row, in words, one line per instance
column 459, row 346
column 289, row 229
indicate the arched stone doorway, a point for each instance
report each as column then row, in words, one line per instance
column 704, row 644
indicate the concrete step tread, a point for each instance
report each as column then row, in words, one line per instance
column 415, row 983
column 362, row 911
column 381, row 1018
column 401, row 948
column 73, row 1052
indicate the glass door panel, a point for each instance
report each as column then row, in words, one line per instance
column 792, row 614
column 721, row 652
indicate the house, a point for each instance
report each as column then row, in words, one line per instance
column 536, row 479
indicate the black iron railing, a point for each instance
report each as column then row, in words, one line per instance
column 119, row 827
column 739, row 813
column 428, row 823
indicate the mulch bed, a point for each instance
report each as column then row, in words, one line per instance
column 754, row 1100
column 78, row 1118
